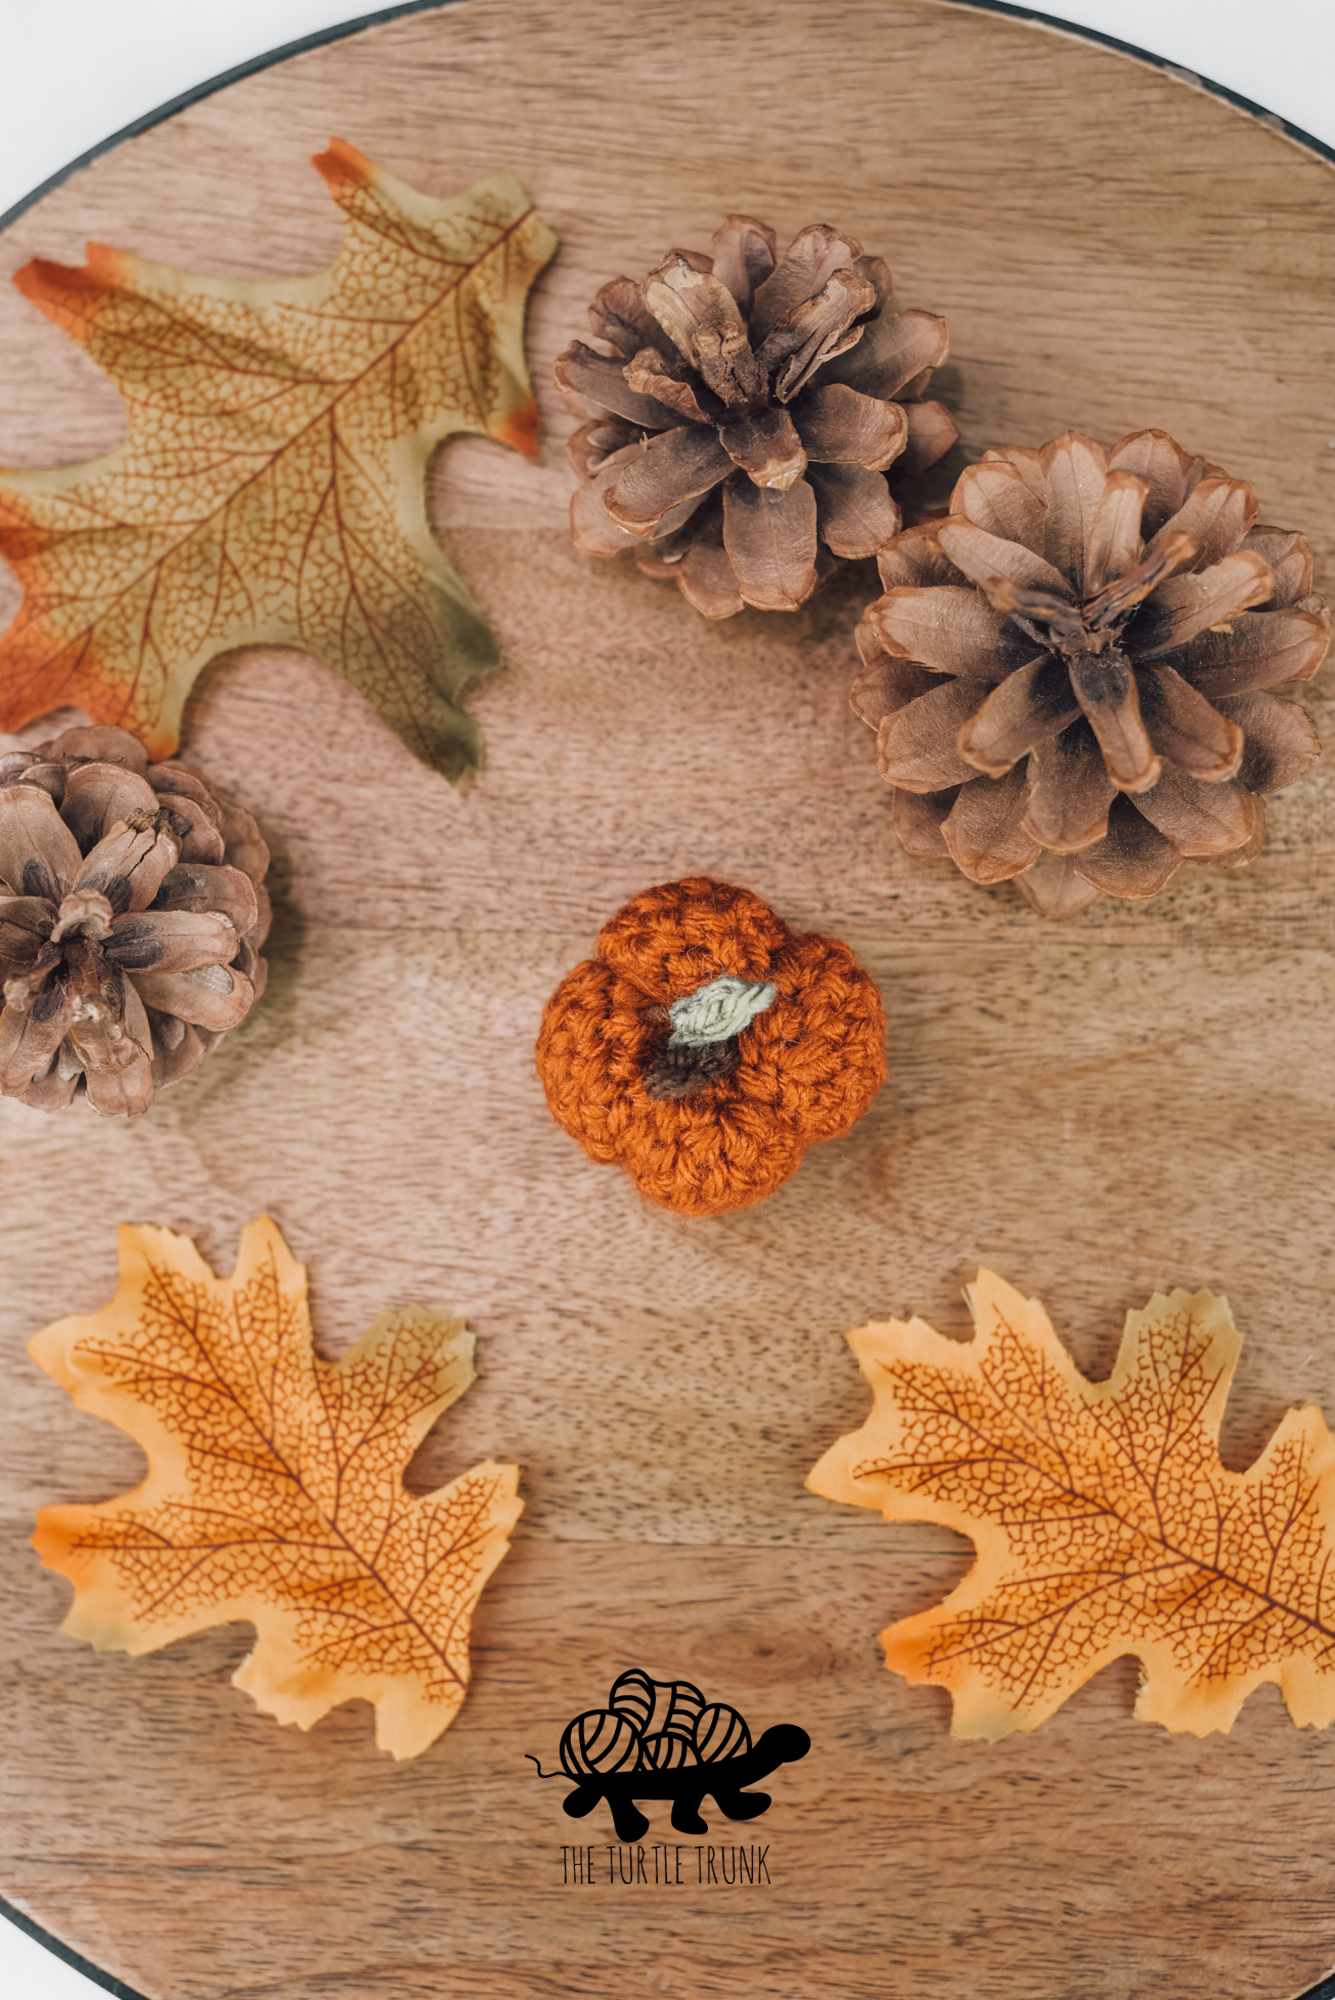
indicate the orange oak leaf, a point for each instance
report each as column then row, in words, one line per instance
column 271, row 489
column 1103, row 1520
column 274, row 1491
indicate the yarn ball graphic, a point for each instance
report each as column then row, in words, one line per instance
column 599, row 1742
column 635, row 1695
column 666, row 1753
column 720, row 1732
column 708, row 1045
column 656, row 1707
column 651, row 1726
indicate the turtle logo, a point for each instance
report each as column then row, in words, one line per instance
column 663, row 1740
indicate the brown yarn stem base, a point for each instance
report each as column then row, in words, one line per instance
column 678, row 1073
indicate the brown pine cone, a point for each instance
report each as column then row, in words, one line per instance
column 745, row 412
column 1091, row 632
column 132, row 909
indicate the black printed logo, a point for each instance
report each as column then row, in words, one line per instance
column 663, row 1740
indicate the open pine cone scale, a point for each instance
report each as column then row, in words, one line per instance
column 1066, row 674
column 131, row 916
column 743, row 421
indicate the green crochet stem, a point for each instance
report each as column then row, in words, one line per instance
column 717, row 1012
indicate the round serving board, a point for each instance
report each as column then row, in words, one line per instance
column 1137, row 1099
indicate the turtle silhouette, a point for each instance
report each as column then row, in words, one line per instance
column 663, row 1740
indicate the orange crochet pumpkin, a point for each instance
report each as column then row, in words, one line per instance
column 804, row 1068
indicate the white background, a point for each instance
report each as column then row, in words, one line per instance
column 75, row 71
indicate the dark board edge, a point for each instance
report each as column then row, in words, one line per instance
column 105, row 1979
column 1284, row 126
column 107, row 1982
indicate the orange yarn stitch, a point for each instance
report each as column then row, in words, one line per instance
column 808, row 1066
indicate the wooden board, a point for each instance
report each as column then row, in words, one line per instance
column 1140, row 1098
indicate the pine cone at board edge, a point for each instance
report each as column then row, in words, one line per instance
column 1066, row 675
column 132, row 910
column 745, row 413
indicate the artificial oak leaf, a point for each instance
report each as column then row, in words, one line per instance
column 274, row 1491
column 271, row 489
column 1103, row 1520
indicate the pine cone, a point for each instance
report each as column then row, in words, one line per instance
column 132, row 909
column 1092, row 633
column 746, row 412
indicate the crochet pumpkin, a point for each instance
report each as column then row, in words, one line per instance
column 707, row 1046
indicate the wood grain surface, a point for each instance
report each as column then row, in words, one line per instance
column 1140, row 1098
